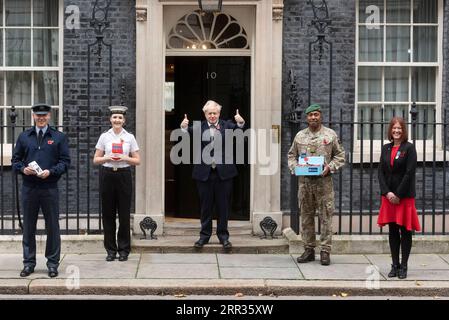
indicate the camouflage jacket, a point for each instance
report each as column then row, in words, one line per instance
column 322, row 143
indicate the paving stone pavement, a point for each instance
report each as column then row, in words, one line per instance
column 226, row 274
column 229, row 266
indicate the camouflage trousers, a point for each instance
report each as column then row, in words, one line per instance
column 316, row 195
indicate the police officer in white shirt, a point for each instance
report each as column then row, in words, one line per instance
column 116, row 151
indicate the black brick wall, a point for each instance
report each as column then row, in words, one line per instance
column 121, row 36
column 297, row 36
column 297, row 18
column 79, row 189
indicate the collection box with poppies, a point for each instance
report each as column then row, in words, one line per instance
column 309, row 166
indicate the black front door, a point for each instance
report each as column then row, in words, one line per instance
column 190, row 82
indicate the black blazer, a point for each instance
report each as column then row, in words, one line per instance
column 226, row 169
column 399, row 179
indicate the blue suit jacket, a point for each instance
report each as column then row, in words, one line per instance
column 53, row 154
column 226, row 169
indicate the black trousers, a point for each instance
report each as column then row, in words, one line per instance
column 34, row 199
column 216, row 192
column 116, row 193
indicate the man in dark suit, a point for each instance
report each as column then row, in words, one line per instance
column 214, row 171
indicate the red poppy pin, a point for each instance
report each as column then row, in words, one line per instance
column 402, row 155
column 50, row 141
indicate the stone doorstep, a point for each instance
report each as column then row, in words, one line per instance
column 191, row 228
column 184, row 244
column 252, row 287
column 374, row 244
column 288, row 243
column 164, row 244
column 69, row 243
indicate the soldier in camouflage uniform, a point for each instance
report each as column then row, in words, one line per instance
column 316, row 193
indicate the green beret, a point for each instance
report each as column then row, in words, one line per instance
column 313, row 107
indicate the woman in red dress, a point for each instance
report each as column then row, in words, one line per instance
column 397, row 168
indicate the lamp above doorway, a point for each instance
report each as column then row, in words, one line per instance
column 210, row 5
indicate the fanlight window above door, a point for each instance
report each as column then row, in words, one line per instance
column 202, row 31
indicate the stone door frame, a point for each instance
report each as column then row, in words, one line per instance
column 266, row 106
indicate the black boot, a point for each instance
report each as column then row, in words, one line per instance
column 394, row 271
column 325, row 258
column 308, row 255
column 402, row 272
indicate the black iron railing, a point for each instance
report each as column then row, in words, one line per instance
column 80, row 206
column 357, row 197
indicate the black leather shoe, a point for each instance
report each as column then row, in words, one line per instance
column 26, row 271
column 123, row 258
column 52, row 272
column 110, row 257
column 227, row 245
column 200, row 243
column 394, row 271
column 325, row 258
column 307, row 255
column 402, row 274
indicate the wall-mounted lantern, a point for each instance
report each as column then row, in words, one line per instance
column 210, row 5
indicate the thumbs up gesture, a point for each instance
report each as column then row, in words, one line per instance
column 185, row 122
column 238, row 118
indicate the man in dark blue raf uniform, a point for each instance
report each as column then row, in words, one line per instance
column 41, row 155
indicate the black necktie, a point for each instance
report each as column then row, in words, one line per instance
column 213, row 128
column 39, row 138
